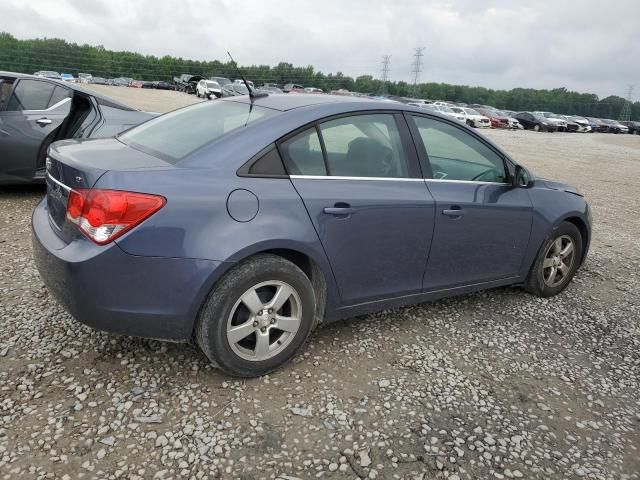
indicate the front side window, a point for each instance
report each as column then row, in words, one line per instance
column 31, row 95
column 364, row 146
column 175, row 135
column 456, row 155
column 6, row 84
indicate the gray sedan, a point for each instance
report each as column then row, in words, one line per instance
column 36, row 111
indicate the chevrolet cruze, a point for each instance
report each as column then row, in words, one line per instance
column 242, row 224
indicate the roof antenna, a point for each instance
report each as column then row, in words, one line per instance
column 252, row 94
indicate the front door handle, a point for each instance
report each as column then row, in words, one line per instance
column 43, row 121
column 454, row 212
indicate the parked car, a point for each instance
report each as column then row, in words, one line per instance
column 301, row 208
column 598, row 125
column 312, row 90
column 120, row 81
column 221, row 80
column 37, row 111
column 473, row 118
column 513, row 122
column 67, row 77
column 136, row 84
column 571, row 125
column 241, row 82
column 208, row 89
column 98, row 81
column 497, row 120
column 536, row 121
column 84, row 78
column 234, row 89
column 48, row 74
column 162, row 85
column 614, row 126
column 445, row 110
column 583, row 123
column 270, row 88
column 293, row 87
column 550, row 116
column 187, row 82
column 633, row 127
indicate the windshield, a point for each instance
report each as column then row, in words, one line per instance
column 471, row 111
column 444, row 109
column 175, row 135
column 213, row 85
column 241, row 89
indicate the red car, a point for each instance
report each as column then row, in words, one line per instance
column 497, row 121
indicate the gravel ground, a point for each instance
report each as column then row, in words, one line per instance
column 497, row 384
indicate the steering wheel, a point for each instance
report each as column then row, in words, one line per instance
column 483, row 173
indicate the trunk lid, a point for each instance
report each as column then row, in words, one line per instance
column 73, row 165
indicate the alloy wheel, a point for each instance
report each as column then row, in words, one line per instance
column 558, row 261
column 264, row 320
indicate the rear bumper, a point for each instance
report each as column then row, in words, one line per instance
column 108, row 289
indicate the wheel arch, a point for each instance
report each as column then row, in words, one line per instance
column 581, row 225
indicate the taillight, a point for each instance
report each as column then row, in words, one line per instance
column 104, row 215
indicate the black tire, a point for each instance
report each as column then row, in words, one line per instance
column 536, row 283
column 214, row 318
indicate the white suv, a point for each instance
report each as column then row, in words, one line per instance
column 208, row 89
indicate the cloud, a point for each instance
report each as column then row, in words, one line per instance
column 586, row 46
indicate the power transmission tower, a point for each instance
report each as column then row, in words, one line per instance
column 417, row 67
column 625, row 114
column 386, row 61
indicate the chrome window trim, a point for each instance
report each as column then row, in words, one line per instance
column 68, row 189
column 391, row 179
column 335, row 177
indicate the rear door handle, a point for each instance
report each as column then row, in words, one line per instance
column 453, row 212
column 341, row 209
column 43, row 121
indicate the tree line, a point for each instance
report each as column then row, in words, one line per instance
column 29, row 56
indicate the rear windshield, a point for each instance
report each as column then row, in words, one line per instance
column 175, row 135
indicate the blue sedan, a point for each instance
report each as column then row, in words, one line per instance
column 244, row 223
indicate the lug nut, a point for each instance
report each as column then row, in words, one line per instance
column 260, row 313
column 273, row 320
column 263, row 329
column 270, row 310
column 255, row 324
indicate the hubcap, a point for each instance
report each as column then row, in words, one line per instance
column 264, row 320
column 558, row 260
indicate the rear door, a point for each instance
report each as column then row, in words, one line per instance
column 31, row 115
column 482, row 223
column 359, row 179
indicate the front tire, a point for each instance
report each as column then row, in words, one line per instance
column 536, row 127
column 557, row 261
column 257, row 316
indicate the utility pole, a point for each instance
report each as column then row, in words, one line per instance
column 417, row 67
column 625, row 114
column 386, row 61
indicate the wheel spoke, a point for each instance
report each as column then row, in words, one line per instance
column 566, row 250
column 252, row 301
column 288, row 324
column 557, row 245
column 262, row 346
column 552, row 275
column 279, row 299
column 548, row 262
column 235, row 334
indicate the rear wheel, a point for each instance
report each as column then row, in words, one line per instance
column 536, row 127
column 557, row 261
column 257, row 317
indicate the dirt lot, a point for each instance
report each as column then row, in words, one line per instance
column 498, row 384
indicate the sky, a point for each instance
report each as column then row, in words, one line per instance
column 583, row 45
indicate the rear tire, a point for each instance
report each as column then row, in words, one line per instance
column 257, row 316
column 557, row 261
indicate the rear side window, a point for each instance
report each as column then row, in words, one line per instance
column 303, row 154
column 175, row 135
column 454, row 154
column 59, row 94
column 31, row 95
column 364, row 146
column 5, row 90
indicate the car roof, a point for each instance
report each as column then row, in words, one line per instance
column 102, row 99
column 290, row 101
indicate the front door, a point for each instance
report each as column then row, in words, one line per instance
column 359, row 181
column 28, row 120
column 482, row 223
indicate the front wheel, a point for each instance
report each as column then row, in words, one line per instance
column 257, row 317
column 536, row 127
column 557, row 261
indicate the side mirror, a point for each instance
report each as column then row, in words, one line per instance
column 522, row 178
